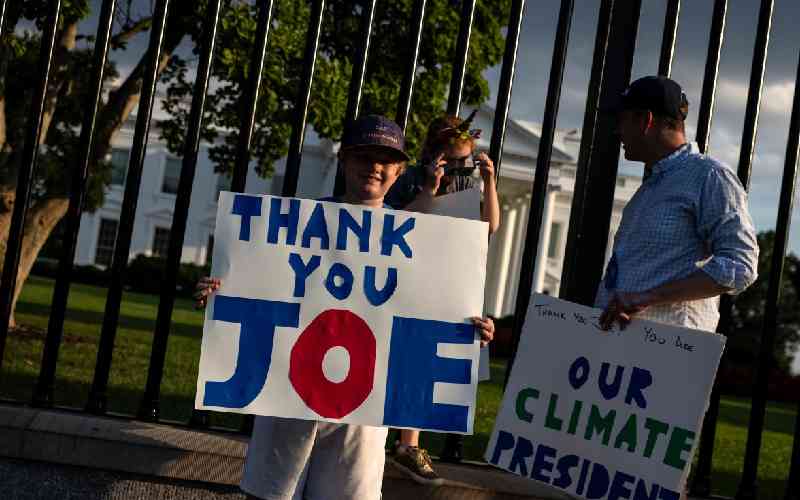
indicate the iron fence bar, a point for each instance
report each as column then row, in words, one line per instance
column 460, row 62
column 407, row 87
column 602, row 160
column 701, row 483
column 668, row 39
column 706, row 110
column 748, row 487
column 541, row 179
column 793, row 483
column 43, row 392
column 356, row 90
column 587, row 142
column 149, row 408
column 97, row 395
column 249, row 98
column 303, row 98
column 30, row 155
column 3, row 5
column 505, row 85
column 750, row 128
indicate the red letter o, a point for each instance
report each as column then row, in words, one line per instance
column 333, row 328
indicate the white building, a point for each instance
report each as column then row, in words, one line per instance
column 162, row 169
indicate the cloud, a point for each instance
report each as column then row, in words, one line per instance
column 776, row 98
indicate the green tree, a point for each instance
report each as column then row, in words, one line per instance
column 281, row 78
column 748, row 315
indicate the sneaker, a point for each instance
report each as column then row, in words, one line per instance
column 416, row 464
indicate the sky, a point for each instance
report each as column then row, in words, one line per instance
column 535, row 53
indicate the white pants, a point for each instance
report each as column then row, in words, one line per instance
column 290, row 459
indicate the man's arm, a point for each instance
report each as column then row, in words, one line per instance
column 624, row 305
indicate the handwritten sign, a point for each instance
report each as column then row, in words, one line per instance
column 343, row 313
column 604, row 415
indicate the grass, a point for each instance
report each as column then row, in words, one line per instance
column 132, row 353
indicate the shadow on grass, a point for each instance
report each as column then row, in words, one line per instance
column 726, row 483
column 123, row 401
column 95, row 318
column 777, row 419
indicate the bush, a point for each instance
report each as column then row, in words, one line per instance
column 738, row 380
column 87, row 275
column 144, row 274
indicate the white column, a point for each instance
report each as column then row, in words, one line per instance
column 505, row 246
column 544, row 241
column 516, row 257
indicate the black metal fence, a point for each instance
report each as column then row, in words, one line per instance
column 615, row 42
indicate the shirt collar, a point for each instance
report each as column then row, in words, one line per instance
column 670, row 161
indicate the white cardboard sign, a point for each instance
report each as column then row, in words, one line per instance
column 343, row 313
column 604, row 415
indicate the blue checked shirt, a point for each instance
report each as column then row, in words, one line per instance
column 689, row 213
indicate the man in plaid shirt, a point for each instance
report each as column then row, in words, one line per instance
column 686, row 236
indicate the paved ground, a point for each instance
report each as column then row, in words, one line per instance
column 20, row 480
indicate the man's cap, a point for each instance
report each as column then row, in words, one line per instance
column 657, row 94
column 375, row 130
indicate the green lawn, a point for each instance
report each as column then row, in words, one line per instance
column 132, row 352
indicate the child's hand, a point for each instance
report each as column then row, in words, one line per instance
column 486, row 167
column 485, row 327
column 434, row 173
column 205, row 287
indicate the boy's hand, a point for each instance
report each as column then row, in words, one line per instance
column 434, row 173
column 485, row 327
column 205, row 287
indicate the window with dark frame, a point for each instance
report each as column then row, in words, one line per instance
column 119, row 166
column 172, row 175
column 555, row 241
column 160, row 242
column 106, row 238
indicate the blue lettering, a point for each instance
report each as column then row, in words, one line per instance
column 564, row 480
column 541, row 463
column 414, row 367
column 641, row 379
column 317, row 227
column 505, row 441
column 642, row 494
column 579, row 372
column 392, row 237
column 522, row 452
column 339, row 290
column 277, row 220
column 619, row 486
column 302, row 271
column 258, row 319
column 246, row 207
column 598, row 484
column 379, row 297
column 346, row 221
column 610, row 391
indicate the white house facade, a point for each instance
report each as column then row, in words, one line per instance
column 162, row 169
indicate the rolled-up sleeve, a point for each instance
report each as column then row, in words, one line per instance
column 725, row 225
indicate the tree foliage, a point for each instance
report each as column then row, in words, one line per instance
column 69, row 84
column 748, row 314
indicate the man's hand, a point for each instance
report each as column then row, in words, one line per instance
column 622, row 308
column 485, row 327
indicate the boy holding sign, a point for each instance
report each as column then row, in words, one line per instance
column 293, row 459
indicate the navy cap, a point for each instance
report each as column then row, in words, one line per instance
column 375, row 130
column 657, row 94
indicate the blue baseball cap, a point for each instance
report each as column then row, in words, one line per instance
column 375, row 131
column 657, row 94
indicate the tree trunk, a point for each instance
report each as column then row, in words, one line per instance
column 40, row 222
